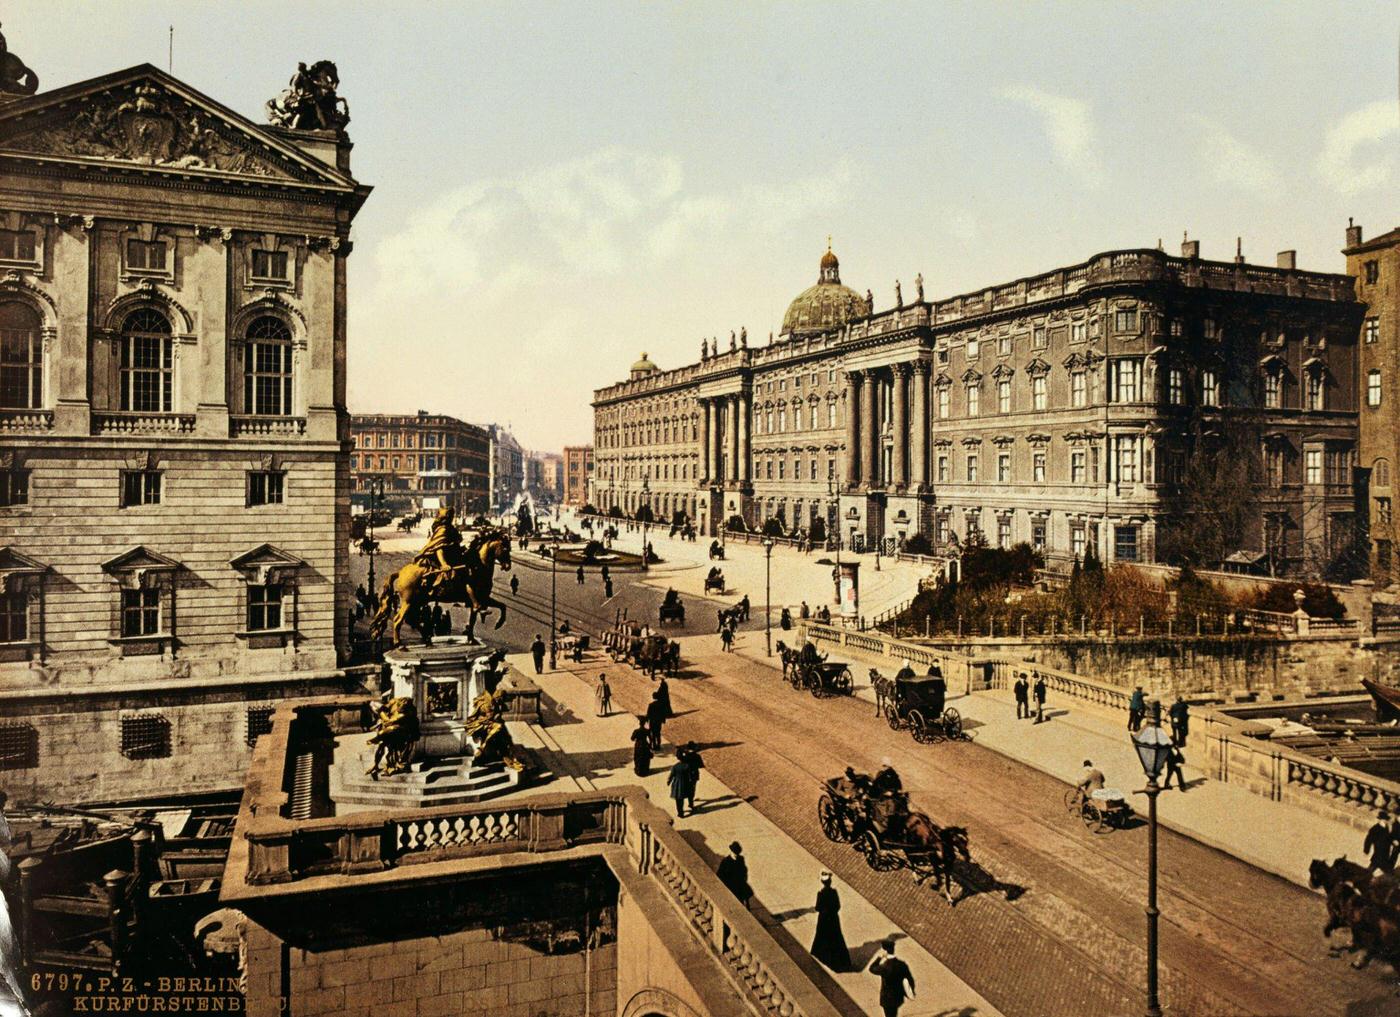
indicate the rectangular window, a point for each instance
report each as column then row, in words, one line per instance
column 831, row 469
column 1273, row 390
column 1176, row 386
column 831, row 414
column 1125, row 543
column 147, row 373
column 1077, row 331
column 1076, row 539
column 1038, row 467
column 16, row 245
column 1004, row 346
column 1004, row 468
column 395, row 462
column 1371, row 330
column 14, row 617
column 145, row 736
column 973, row 347
column 1093, row 464
column 1312, row 466
column 265, row 487
column 1125, row 320
column 943, row 402
column 1175, row 328
column 143, row 256
column 1373, row 388
column 1127, row 460
column 1273, row 466
column 21, row 366
column 269, row 264
column 264, row 607
column 19, row 746
column 1039, row 395
column 1003, row 533
column 974, row 400
column 1039, row 339
column 1078, row 471
column 941, row 530
column 1383, row 514
column 1317, row 392
column 14, row 487
column 1210, row 388
column 812, row 475
column 1038, row 534
column 942, row 355
column 1339, row 468
column 1124, row 375
column 1079, row 388
column 1372, row 271
column 782, row 469
column 1004, row 396
column 943, row 472
column 259, row 723
column 140, row 613
column 140, row 487
column 768, row 471
column 972, row 468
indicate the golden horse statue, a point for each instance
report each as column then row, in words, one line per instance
column 409, row 591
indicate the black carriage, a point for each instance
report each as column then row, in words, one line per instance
column 673, row 613
column 877, row 826
column 917, row 703
column 715, row 581
column 824, row 678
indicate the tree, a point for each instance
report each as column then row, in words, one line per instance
column 615, row 512
column 818, row 530
column 644, row 514
column 773, row 527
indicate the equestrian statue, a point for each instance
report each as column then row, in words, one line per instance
column 444, row 572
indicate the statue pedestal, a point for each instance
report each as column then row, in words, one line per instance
column 439, row 680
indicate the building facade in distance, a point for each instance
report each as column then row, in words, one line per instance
column 1103, row 404
column 578, row 474
column 507, row 481
column 174, row 519
column 423, row 461
column 544, row 479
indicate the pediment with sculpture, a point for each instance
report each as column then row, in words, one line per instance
column 142, row 122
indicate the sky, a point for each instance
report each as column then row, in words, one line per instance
column 560, row 187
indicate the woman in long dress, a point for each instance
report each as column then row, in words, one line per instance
column 641, row 749
column 829, row 944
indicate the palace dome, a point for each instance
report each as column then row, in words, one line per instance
column 826, row 305
column 643, row 367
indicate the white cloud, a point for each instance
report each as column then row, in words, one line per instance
column 1069, row 124
column 514, row 290
column 1234, row 163
column 1354, row 155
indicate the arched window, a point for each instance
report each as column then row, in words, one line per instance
column 147, row 363
column 267, row 377
column 21, row 357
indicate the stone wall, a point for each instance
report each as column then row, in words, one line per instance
column 536, row 942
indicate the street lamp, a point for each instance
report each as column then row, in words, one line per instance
column 376, row 491
column 768, row 593
column 645, row 513
column 1153, row 745
column 836, row 515
column 553, row 604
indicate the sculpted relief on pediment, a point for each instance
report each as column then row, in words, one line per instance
column 144, row 124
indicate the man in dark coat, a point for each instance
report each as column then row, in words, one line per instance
column 537, row 651
column 681, row 781
column 829, row 944
column 893, row 974
column 656, row 717
column 1039, row 698
column 733, row 872
column 1023, row 696
column 1180, row 716
column 1137, row 706
column 697, row 763
column 1380, row 844
column 641, row 749
column 938, row 690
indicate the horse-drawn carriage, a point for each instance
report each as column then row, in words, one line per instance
column 716, row 551
column 671, row 610
column 890, row 835
column 806, row 669
column 917, row 703
column 632, row 642
column 715, row 580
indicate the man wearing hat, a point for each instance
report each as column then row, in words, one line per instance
column 893, row 973
column 1380, row 844
column 905, row 673
column 733, row 872
column 829, row 944
column 1023, row 696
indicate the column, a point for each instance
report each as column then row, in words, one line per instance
column 732, row 402
column 711, row 442
column 870, row 435
column 899, row 456
column 853, row 406
column 918, row 468
column 745, row 456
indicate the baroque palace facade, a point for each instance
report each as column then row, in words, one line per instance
column 174, row 498
column 1060, row 410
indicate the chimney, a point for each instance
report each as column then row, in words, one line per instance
column 1239, row 250
column 1190, row 248
column 1353, row 234
column 1288, row 259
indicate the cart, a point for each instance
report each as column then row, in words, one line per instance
column 915, row 703
column 1103, row 809
column 824, row 678
column 673, row 612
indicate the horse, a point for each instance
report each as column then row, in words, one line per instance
column 468, row 583
column 943, row 845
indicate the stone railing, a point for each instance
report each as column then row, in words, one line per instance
column 26, row 421
column 633, row 836
column 243, row 426
column 107, row 423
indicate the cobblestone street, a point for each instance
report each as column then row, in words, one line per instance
column 1054, row 922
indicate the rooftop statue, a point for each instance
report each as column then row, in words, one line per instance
column 310, row 102
column 744, row 337
column 704, row 350
column 15, row 76
column 919, row 285
column 870, row 301
column 898, row 296
column 732, row 344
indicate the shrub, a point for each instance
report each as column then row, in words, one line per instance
column 588, row 510
column 817, row 531
column 1318, row 600
column 644, row 514
column 773, row 527
column 919, row 544
column 736, row 524
column 616, row 512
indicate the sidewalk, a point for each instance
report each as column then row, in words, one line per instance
column 592, row 752
column 1272, row 836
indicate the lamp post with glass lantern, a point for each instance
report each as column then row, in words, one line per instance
column 553, row 604
column 369, row 545
column 836, row 580
column 645, row 513
column 1153, row 746
column 768, row 593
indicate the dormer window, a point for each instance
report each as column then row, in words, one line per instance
column 146, row 256
column 270, row 265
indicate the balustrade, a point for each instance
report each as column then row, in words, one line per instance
column 142, row 423
column 26, row 421
column 246, row 425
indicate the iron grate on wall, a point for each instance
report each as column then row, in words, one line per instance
column 145, row 736
column 19, row 746
column 259, row 722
